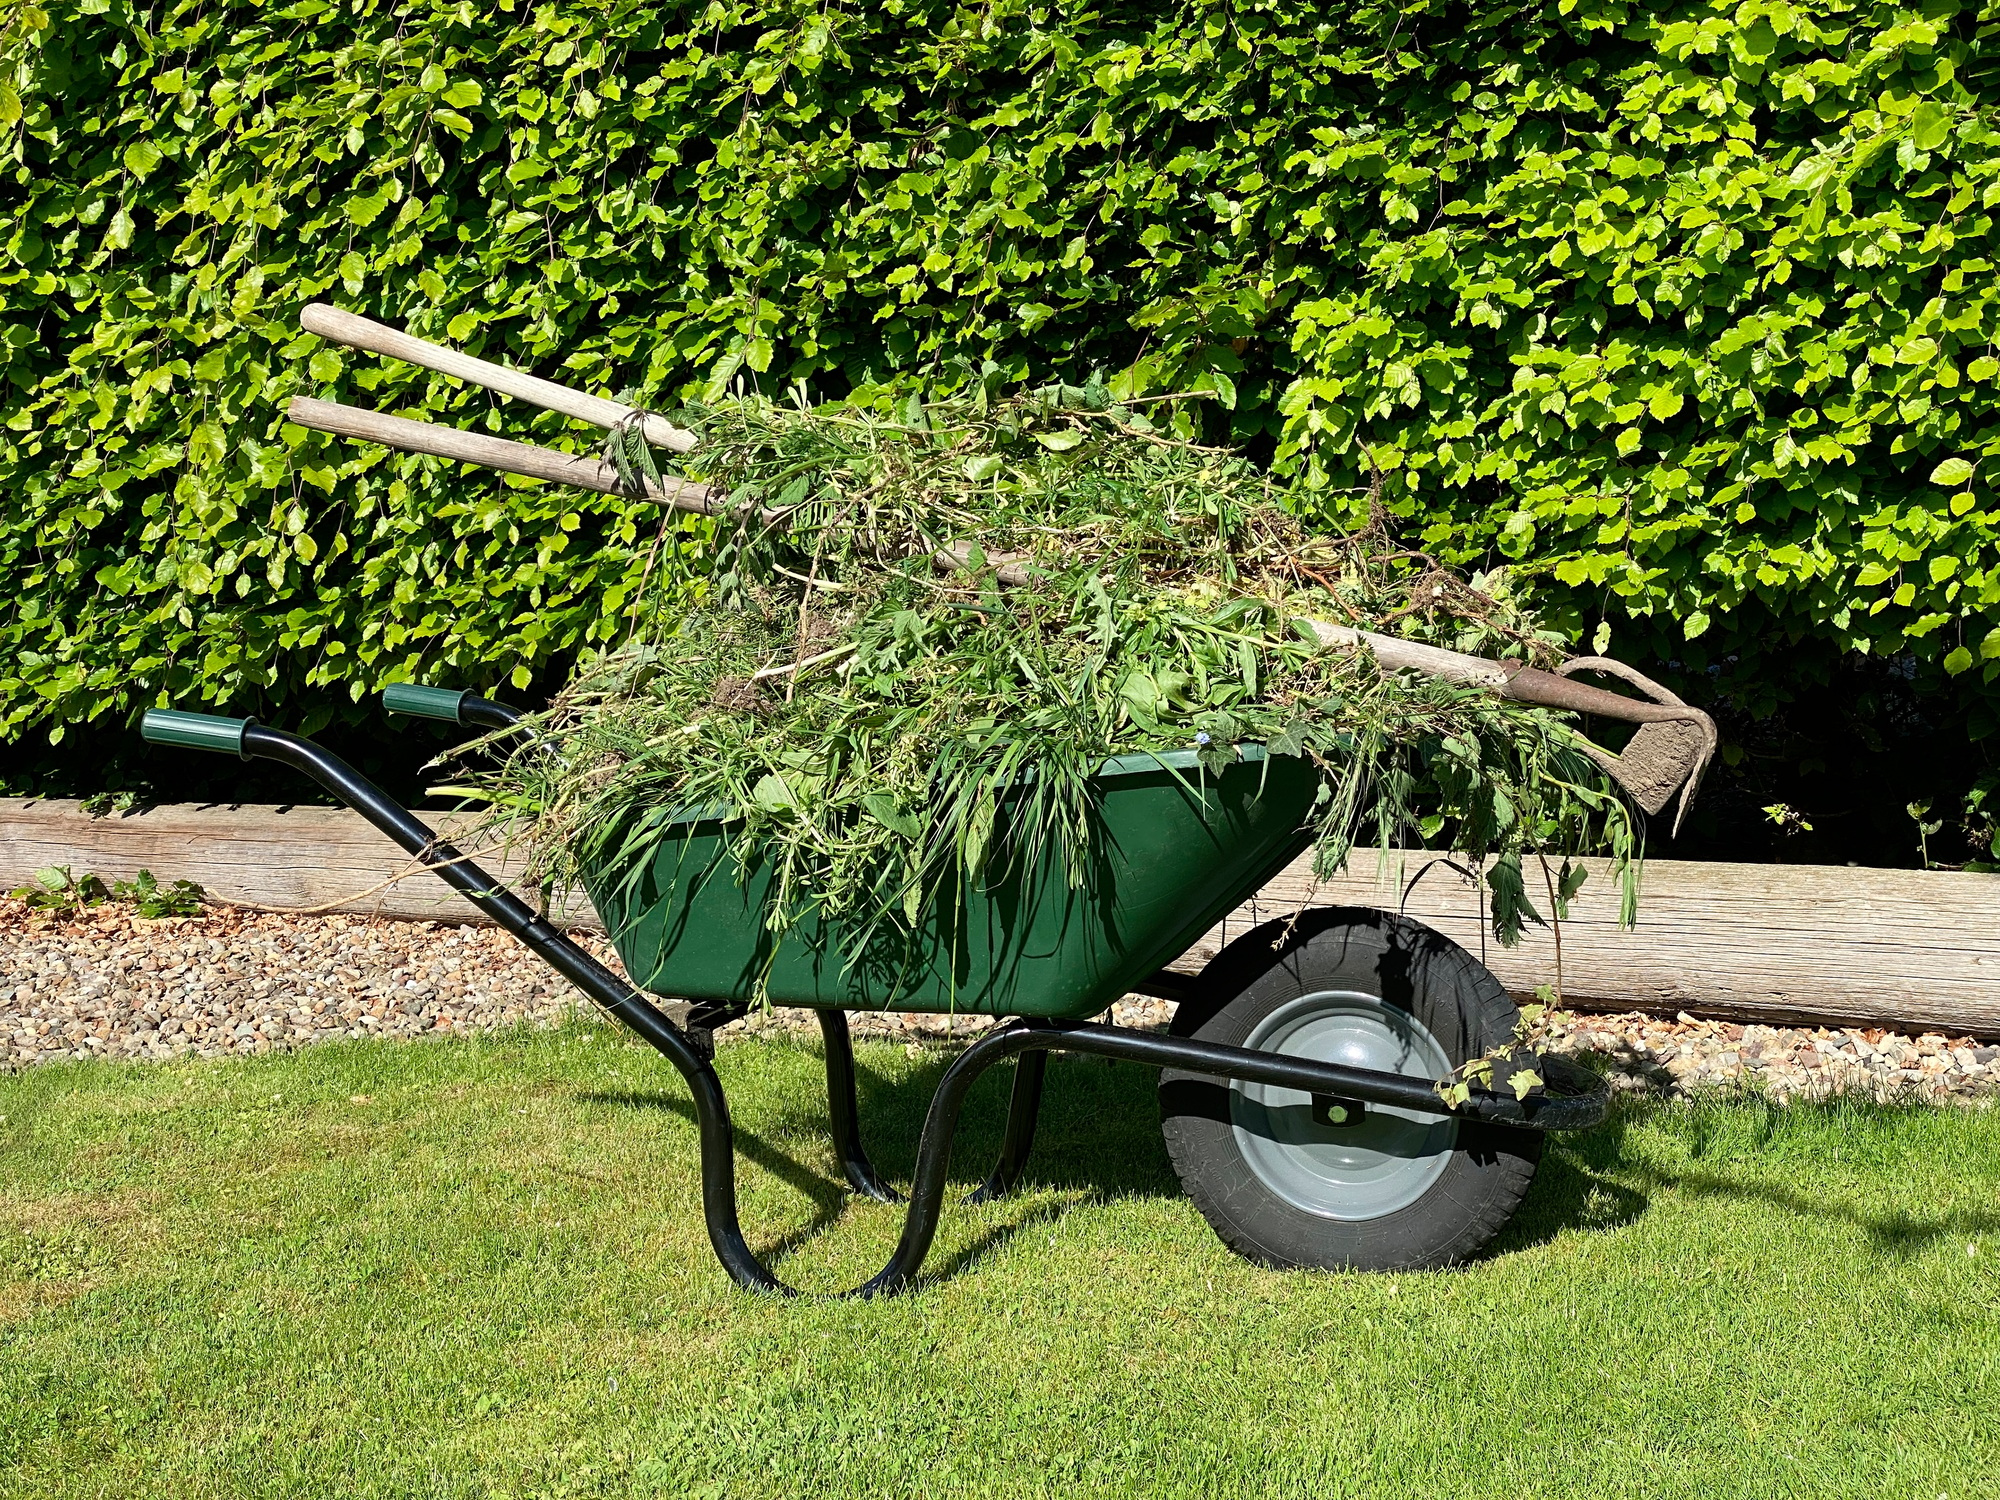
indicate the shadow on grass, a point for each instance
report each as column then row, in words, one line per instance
column 1597, row 1180
column 1099, row 1140
column 1897, row 1235
column 828, row 1197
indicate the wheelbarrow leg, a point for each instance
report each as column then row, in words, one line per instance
column 844, row 1111
column 1024, row 1106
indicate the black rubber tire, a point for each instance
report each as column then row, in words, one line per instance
column 1407, row 965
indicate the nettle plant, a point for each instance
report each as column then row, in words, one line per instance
column 1684, row 310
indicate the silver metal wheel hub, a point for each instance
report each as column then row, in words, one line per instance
column 1325, row 1155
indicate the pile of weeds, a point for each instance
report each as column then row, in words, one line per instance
column 895, row 662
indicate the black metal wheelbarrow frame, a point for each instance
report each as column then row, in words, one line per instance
column 689, row 1045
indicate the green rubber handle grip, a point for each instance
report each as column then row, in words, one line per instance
column 423, row 702
column 169, row 726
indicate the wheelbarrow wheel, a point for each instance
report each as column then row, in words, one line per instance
column 1296, row 1180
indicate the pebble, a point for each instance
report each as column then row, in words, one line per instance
column 106, row 983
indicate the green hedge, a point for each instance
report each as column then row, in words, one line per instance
column 1687, row 309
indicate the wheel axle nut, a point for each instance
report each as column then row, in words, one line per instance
column 1330, row 1110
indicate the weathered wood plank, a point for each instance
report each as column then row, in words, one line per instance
column 1777, row 943
column 291, row 858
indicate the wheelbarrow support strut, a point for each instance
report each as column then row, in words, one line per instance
column 1027, row 1041
column 843, row 1109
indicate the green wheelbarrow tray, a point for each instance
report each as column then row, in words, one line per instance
column 1178, row 848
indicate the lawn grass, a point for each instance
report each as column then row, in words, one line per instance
column 477, row 1267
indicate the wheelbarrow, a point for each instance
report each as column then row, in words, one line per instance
column 1302, row 1080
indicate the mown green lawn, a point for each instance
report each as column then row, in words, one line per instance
column 488, row 1276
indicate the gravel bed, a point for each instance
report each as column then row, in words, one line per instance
column 1687, row 1055
column 105, row 983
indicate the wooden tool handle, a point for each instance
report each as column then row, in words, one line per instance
column 1397, row 654
column 1533, row 685
column 581, row 470
column 584, row 471
column 357, row 332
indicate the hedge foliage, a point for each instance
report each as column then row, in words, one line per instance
column 1687, row 309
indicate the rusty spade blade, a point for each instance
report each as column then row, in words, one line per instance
column 1670, row 752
